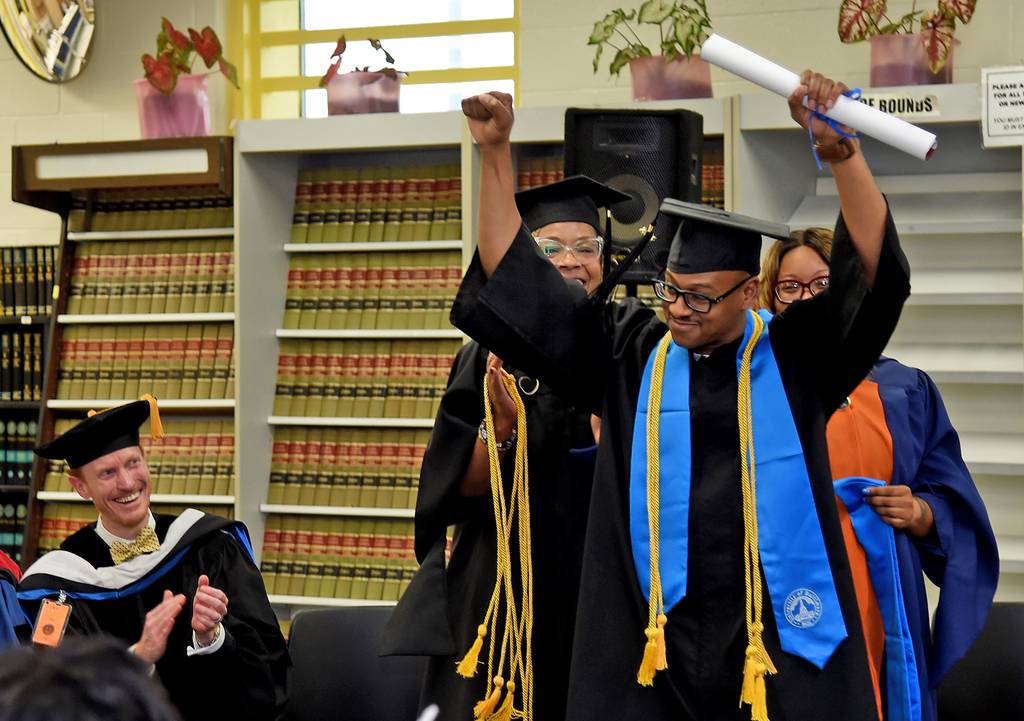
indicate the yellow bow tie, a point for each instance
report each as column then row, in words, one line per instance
column 145, row 542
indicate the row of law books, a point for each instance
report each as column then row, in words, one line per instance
column 26, row 280
column 534, row 171
column 712, row 175
column 195, row 457
column 378, row 203
column 17, row 439
column 61, row 519
column 168, row 360
column 149, row 209
column 365, row 467
column 323, row 557
column 12, row 527
column 172, row 276
column 373, row 379
column 371, row 290
column 21, row 365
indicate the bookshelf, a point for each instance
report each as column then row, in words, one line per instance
column 959, row 217
column 144, row 302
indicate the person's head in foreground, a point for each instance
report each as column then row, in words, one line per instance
column 83, row 679
column 712, row 274
column 566, row 223
column 106, row 465
column 795, row 269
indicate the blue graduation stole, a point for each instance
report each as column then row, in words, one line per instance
column 796, row 568
column 903, row 693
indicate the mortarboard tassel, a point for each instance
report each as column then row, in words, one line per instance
column 156, row 427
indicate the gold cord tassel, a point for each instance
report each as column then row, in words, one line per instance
column 467, row 666
column 662, row 662
column 485, row 708
column 504, row 713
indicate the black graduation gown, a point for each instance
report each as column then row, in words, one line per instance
column 439, row 612
column 595, row 354
column 245, row 678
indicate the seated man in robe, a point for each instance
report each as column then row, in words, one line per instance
column 183, row 593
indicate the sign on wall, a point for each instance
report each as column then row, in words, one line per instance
column 1002, row 106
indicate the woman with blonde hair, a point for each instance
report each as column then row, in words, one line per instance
column 894, row 429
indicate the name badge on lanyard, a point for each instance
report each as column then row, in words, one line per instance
column 52, row 621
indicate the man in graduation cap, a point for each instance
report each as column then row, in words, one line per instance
column 714, row 582
column 440, row 613
column 184, row 592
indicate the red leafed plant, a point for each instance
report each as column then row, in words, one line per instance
column 339, row 50
column 862, row 19
column 176, row 51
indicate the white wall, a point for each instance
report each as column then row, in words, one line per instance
column 99, row 104
column 555, row 61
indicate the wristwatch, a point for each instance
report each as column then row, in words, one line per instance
column 835, row 152
column 505, row 444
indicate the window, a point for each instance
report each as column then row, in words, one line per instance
column 450, row 48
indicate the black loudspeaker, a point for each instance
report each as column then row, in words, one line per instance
column 649, row 154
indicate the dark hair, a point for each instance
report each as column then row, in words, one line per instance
column 84, row 679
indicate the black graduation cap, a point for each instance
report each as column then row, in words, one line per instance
column 574, row 199
column 710, row 239
column 102, row 433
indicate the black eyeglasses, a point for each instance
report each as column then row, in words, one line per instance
column 694, row 301
column 790, row 291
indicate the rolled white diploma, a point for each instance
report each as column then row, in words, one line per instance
column 861, row 117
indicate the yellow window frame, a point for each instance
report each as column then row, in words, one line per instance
column 246, row 43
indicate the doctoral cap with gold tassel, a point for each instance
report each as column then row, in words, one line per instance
column 104, row 432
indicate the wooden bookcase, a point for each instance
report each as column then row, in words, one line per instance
column 82, row 183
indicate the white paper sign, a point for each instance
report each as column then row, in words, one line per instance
column 1002, row 106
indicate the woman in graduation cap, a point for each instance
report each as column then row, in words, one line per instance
column 715, row 583
column 440, row 613
column 183, row 593
column 894, row 428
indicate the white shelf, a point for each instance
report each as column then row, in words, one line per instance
column 180, row 233
column 339, row 511
column 1000, row 364
column 155, row 498
column 351, row 422
column 390, row 245
column 959, row 103
column 422, row 333
column 1011, row 554
column 996, row 454
column 326, row 602
column 66, row 319
column 966, row 287
column 175, row 404
column 373, row 131
column 927, row 184
column 16, row 238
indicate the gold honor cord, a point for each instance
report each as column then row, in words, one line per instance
column 757, row 662
column 655, row 658
column 517, row 630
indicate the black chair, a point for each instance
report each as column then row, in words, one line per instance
column 988, row 682
column 337, row 674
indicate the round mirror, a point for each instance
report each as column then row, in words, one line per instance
column 52, row 37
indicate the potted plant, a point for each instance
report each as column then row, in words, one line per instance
column 916, row 49
column 361, row 90
column 172, row 101
column 677, row 71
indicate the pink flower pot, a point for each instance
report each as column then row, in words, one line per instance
column 362, row 92
column 655, row 79
column 183, row 113
column 902, row 60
